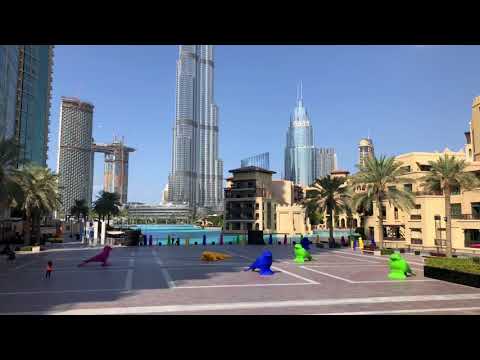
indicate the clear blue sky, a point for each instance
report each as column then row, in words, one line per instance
column 410, row 98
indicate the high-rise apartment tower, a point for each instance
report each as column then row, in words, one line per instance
column 75, row 155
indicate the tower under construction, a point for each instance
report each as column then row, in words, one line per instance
column 115, row 176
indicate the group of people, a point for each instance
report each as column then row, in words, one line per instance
column 8, row 252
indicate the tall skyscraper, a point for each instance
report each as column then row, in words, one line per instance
column 115, row 176
column 8, row 89
column 33, row 101
column 75, row 155
column 300, row 150
column 197, row 172
column 261, row 161
column 325, row 162
column 366, row 150
column 165, row 195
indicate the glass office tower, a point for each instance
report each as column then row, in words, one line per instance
column 325, row 162
column 300, row 150
column 8, row 89
column 33, row 101
column 260, row 160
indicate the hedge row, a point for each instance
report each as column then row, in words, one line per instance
column 469, row 265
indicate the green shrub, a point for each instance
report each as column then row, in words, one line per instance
column 55, row 240
column 468, row 265
column 387, row 251
column 26, row 248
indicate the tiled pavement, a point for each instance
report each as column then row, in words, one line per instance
column 173, row 280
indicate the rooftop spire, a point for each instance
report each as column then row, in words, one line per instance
column 301, row 90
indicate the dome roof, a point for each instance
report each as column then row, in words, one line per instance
column 365, row 142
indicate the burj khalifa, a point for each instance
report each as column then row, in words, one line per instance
column 196, row 177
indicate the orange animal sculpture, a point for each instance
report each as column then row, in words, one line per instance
column 214, row 256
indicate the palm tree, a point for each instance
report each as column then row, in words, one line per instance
column 328, row 194
column 447, row 174
column 79, row 209
column 36, row 193
column 380, row 176
column 9, row 151
column 107, row 204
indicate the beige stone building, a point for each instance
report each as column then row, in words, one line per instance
column 253, row 201
column 424, row 225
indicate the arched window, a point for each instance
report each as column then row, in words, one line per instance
column 355, row 223
column 257, row 226
column 342, row 222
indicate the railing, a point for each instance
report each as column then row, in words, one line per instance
column 391, row 238
column 466, row 216
column 416, row 241
column 251, row 193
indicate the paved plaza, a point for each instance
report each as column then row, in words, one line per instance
column 173, row 280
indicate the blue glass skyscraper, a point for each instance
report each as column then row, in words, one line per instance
column 8, row 89
column 33, row 101
column 300, row 150
column 260, row 160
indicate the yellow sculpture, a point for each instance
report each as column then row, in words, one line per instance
column 360, row 243
column 214, row 256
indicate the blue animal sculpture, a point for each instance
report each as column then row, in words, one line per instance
column 263, row 263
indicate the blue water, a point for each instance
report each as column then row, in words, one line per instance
column 160, row 234
column 337, row 234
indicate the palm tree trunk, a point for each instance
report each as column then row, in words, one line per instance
column 380, row 224
column 28, row 228
column 448, row 218
column 37, row 232
column 331, row 240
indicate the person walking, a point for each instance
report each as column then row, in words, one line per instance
column 48, row 273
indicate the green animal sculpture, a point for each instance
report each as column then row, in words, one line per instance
column 301, row 254
column 399, row 268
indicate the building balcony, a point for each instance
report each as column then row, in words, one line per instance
column 251, row 193
column 466, row 216
column 392, row 238
column 416, row 241
column 239, row 220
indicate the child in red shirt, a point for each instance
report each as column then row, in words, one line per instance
column 49, row 270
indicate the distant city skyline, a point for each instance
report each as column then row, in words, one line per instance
column 350, row 89
column 260, row 160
